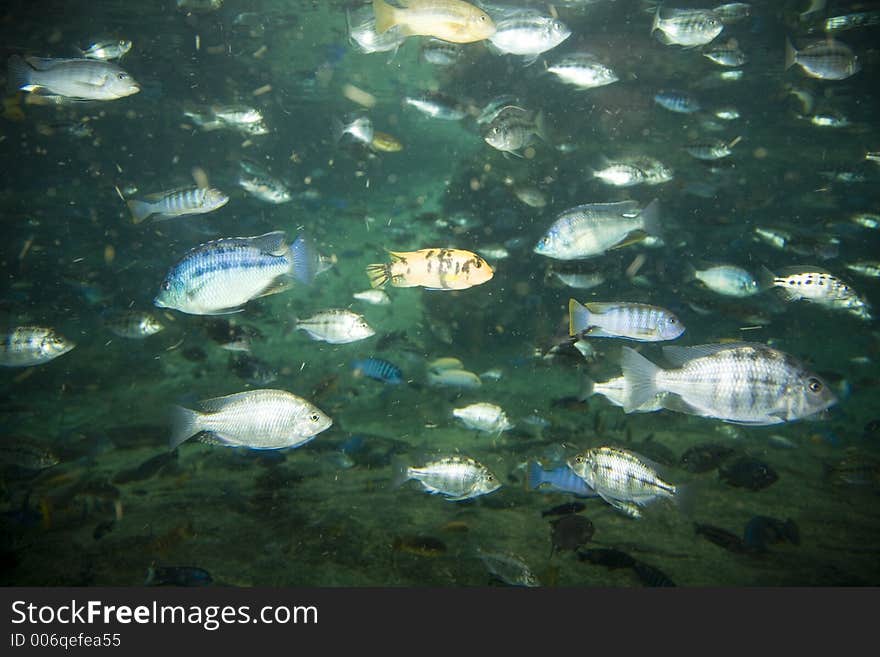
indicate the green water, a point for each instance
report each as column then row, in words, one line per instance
column 320, row 515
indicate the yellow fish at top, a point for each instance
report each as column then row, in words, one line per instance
column 435, row 269
column 449, row 20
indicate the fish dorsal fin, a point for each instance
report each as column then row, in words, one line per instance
column 801, row 269
column 271, row 243
column 678, row 356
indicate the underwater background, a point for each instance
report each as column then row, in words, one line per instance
column 92, row 495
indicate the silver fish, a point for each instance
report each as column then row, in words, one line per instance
column 621, row 319
column 134, row 324
column 514, row 128
column 177, row 203
column 727, row 280
column 623, row 479
column 509, row 568
column 361, row 129
column 73, row 79
column 260, row 184
column 106, row 50
column 686, row 27
column 258, row 419
column 580, row 280
column 618, row 392
column 440, row 53
column 620, row 174
column 728, row 54
column 582, row 70
column 742, row 383
column 484, row 416
column 25, row 346
column 336, row 326
column 732, row 12
column 592, row 229
column 868, row 268
column 825, row 60
column 714, row 149
column 456, row 477
column 528, row 35
column 437, row 106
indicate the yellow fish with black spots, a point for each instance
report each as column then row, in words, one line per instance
column 435, row 269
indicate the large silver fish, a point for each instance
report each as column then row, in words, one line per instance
column 623, row 479
column 74, row 79
column 825, row 60
column 592, row 229
column 743, row 383
column 259, row 419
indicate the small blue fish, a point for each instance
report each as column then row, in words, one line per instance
column 677, row 101
column 378, row 369
column 561, row 480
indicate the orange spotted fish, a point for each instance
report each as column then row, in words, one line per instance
column 435, row 269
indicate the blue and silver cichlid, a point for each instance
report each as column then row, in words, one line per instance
column 221, row 276
column 378, row 369
column 559, row 480
column 623, row 319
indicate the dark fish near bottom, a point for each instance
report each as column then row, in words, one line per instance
column 721, row 537
column 748, row 472
column 570, row 532
column 564, row 509
column 177, row 576
column 145, row 470
column 762, row 531
column 650, row 576
column 422, row 546
column 705, row 457
column 608, row 557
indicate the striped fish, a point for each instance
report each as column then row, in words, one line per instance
column 686, row 27
column 623, row 479
column 378, row 369
column 177, row 203
column 435, row 269
column 621, row 319
column 560, row 480
column 32, row 345
column 744, row 383
column 219, row 277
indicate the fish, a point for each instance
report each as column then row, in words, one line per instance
column 608, row 557
column 70, row 79
column 363, row 35
column 106, row 50
column 589, row 230
column 25, row 346
column 220, row 276
column 530, row 195
column 22, row 454
column 728, row 54
column 450, row 20
column 763, row 530
column 618, row 391
column 720, row 537
column 742, row 383
column 680, row 102
column 620, row 174
column 441, row 53
column 241, row 118
column 260, row 184
column 712, row 149
column 508, row 568
column 726, row 280
column 360, row 129
column 528, row 35
column 651, row 575
column 336, row 326
column 825, row 60
column 434, row 269
column 570, row 532
column 133, row 324
column 732, row 12
column 623, row 319
column 560, row 479
column 378, row 369
column 867, row 268
column 483, row 416
column 422, row 546
column 437, row 106
column 567, row 508
column 253, row 370
column 686, row 27
column 514, row 128
column 747, row 472
column 580, row 280
column 454, row 378
column 457, row 478
column 382, row 142
column 850, row 21
column 582, row 70
column 821, row 287
column 705, row 457
column 374, row 297
column 256, row 419
column 623, row 479
column 177, row 203
column 149, row 468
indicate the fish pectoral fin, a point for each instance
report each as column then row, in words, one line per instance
column 596, row 332
column 278, row 285
column 674, row 402
column 759, row 422
column 211, row 438
column 632, row 238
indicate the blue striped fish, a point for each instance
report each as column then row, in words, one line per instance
column 177, row 203
column 622, row 319
column 378, row 369
column 560, row 480
column 221, row 276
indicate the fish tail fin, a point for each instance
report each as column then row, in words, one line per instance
column 766, row 278
column 685, row 499
column 639, row 373
column 379, row 274
column 588, row 389
column 185, row 423
column 541, row 127
column 656, row 23
column 579, row 317
column 651, row 218
column 400, row 470
column 690, row 273
column 790, row 54
column 534, row 475
column 18, row 75
column 140, row 210
column 386, row 16
column 303, row 260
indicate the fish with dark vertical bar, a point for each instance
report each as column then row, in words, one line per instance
column 25, row 346
column 623, row 479
column 816, row 285
column 623, row 319
column 826, row 60
column 177, row 203
column 744, row 383
column 686, row 27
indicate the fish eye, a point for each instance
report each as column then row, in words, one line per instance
column 815, row 385
column 314, row 417
column 121, row 76
column 478, row 264
column 166, row 285
column 579, row 459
